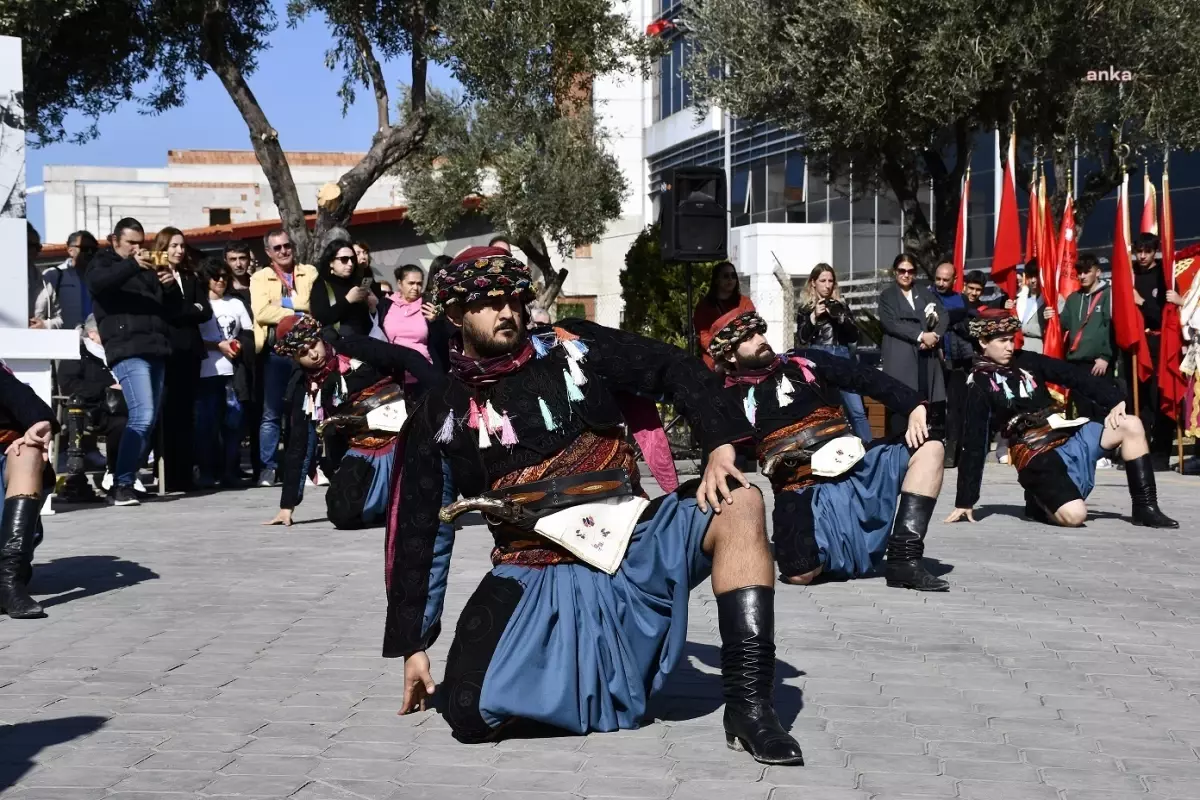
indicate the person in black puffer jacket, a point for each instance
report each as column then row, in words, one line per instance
column 182, row 382
column 134, row 303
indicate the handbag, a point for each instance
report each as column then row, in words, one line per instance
column 114, row 402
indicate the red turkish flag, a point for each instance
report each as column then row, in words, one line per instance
column 1068, row 252
column 1033, row 236
column 1007, row 252
column 1128, row 328
column 1052, row 333
column 960, row 233
column 1172, row 385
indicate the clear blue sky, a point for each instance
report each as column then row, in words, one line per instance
column 295, row 89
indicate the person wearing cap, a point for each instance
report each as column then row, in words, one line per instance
column 835, row 500
column 584, row 614
column 1055, row 457
column 351, row 394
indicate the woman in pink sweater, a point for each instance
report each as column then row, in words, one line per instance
column 406, row 322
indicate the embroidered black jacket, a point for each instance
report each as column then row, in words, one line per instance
column 832, row 375
column 616, row 362
column 989, row 408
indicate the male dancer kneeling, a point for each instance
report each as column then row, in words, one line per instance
column 26, row 425
column 1055, row 457
column 833, row 517
column 584, row 613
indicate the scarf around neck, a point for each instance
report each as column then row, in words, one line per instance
column 753, row 377
column 476, row 372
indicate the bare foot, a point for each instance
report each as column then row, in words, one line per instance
column 802, row 580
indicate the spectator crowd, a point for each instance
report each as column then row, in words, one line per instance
column 178, row 377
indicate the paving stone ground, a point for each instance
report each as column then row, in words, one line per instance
column 191, row 652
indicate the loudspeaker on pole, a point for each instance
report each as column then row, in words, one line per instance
column 692, row 218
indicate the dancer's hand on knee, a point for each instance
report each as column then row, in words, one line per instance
column 1116, row 416
column 37, row 437
column 713, row 486
column 284, row 518
column 961, row 513
column 918, row 427
column 418, row 683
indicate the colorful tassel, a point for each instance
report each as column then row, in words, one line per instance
column 493, row 419
column 540, row 348
column 564, row 335
column 445, row 433
column 484, row 441
column 1008, row 395
column 576, row 373
column 547, row 417
column 573, row 392
column 575, row 349
column 473, row 415
column 1023, row 389
column 783, row 391
column 804, row 365
column 508, row 436
column 750, row 406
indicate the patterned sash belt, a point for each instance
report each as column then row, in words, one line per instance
column 786, row 454
column 1030, row 435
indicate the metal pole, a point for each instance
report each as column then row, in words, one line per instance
column 691, row 326
column 850, row 200
column 876, row 226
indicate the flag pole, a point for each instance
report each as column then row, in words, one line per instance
column 1124, row 223
column 1166, row 180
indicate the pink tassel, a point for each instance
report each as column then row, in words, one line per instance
column 508, row 436
column 805, row 371
column 446, row 433
column 473, row 415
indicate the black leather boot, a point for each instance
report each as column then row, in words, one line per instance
column 1144, row 493
column 906, row 545
column 747, row 621
column 16, row 556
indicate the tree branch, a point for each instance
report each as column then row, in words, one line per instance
column 263, row 138
column 367, row 54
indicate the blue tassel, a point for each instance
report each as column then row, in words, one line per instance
column 575, row 348
column 573, row 392
column 547, row 417
column 540, row 348
column 750, row 406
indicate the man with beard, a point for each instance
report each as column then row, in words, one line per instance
column 584, row 614
column 956, row 355
column 834, row 501
column 1055, row 457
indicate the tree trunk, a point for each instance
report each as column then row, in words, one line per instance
column 535, row 249
column 263, row 138
column 918, row 238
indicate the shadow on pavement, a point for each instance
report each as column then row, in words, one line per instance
column 77, row 577
column 1018, row 512
column 689, row 693
column 19, row 743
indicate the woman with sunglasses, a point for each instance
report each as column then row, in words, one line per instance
column 218, row 407
column 913, row 322
column 342, row 298
column 724, row 295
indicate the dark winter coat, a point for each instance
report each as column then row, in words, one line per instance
column 134, row 312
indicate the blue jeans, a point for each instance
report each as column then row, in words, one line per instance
column 218, row 428
column 275, row 374
column 141, row 382
column 852, row 402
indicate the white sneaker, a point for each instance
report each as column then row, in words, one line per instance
column 321, row 479
column 107, row 481
column 1105, row 463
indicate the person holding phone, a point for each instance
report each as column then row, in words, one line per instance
column 134, row 304
column 342, row 298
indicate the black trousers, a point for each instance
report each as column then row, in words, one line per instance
column 112, row 428
column 956, row 403
column 178, row 420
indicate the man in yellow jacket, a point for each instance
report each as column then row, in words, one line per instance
column 282, row 290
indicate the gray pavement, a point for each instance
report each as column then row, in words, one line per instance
column 191, row 652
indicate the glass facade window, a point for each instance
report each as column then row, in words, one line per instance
column 673, row 93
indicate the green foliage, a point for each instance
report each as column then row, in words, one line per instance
column 553, row 179
column 898, row 87
column 655, row 293
column 88, row 56
column 570, row 311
